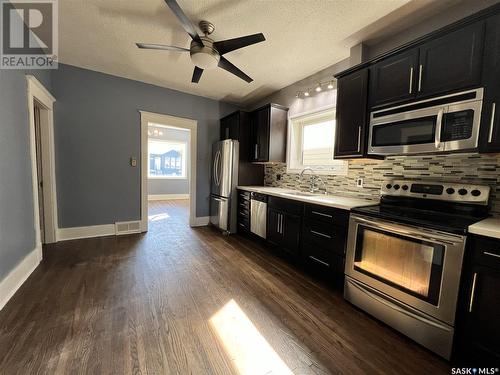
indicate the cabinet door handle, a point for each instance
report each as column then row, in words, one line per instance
column 420, row 72
column 492, row 122
column 319, row 261
column 473, row 291
column 359, row 138
column 320, row 234
column 491, row 254
column 411, row 80
column 256, row 151
column 321, row 214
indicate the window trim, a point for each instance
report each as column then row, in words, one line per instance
column 184, row 161
column 339, row 167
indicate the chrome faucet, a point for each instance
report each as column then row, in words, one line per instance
column 312, row 181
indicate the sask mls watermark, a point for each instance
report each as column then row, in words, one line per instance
column 29, row 37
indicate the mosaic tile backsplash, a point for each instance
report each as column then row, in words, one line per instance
column 473, row 169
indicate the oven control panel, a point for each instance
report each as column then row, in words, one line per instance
column 453, row 192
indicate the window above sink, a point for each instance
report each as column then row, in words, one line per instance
column 311, row 139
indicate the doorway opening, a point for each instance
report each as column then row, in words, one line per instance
column 40, row 109
column 168, row 171
column 168, row 174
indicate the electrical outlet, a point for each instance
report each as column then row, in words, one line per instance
column 133, row 161
column 359, row 182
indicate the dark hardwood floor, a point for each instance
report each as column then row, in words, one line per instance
column 179, row 300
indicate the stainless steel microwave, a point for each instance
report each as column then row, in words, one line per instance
column 446, row 123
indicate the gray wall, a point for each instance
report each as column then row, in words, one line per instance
column 17, row 234
column 172, row 186
column 97, row 131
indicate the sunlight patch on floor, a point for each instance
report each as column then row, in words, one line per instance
column 248, row 349
column 158, row 217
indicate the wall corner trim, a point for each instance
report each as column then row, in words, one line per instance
column 200, row 221
column 74, row 233
column 13, row 281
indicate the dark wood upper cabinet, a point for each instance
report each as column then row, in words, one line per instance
column 490, row 121
column 230, row 125
column 237, row 126
column 394, row 79
column 351, row 115
column 451, row 62
column 268, row 136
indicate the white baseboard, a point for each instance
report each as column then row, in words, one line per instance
column 167, row 197
column 200, row 221
column 13, row 281
column 64, row 234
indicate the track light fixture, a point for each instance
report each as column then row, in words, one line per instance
column 318, row 88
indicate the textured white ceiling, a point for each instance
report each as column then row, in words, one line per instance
column 303, row 37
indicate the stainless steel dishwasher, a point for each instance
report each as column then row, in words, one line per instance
column 258, row 214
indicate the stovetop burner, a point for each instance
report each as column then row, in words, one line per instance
column 441, row 206
column 445, row 222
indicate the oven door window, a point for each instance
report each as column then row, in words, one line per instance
column 411, row 265
column 416, row 131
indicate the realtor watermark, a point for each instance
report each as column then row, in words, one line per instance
column 29, row 34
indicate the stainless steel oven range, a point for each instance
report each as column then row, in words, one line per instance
column 404, row 256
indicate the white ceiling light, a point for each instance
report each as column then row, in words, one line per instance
column 204, row 56
column 306, row 93
column 318, row 87
column 330, row 85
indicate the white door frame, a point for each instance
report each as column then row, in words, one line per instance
column 178, row 122
column 36, row 91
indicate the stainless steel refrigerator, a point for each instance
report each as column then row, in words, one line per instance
column 225, row 162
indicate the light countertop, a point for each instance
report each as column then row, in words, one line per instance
column 488, row 227
column 342, row 202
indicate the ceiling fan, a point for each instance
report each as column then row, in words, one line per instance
column 205, row 53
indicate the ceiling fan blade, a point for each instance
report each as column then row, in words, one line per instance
column 225, row 46
column 226, row 65
column 162, row 47
column 185, row 22
column 196, row 75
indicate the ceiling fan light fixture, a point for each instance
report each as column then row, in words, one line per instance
column 204, row 56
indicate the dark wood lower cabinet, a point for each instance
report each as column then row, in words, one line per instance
column 323, row 243
column 314, row 236
column 478, row 319
column 291, row 233
column 243, row 217
column 283, row 230
column 274, row 234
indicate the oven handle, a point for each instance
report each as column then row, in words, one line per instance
column 389, row 226
column 397, row 308
column 439, row 125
